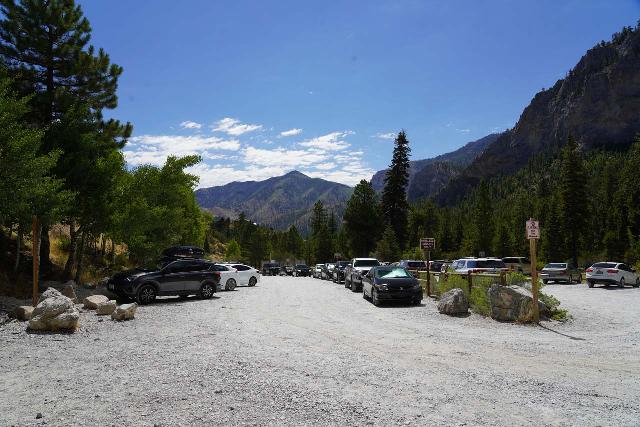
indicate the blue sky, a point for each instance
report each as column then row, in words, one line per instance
column 259, row 88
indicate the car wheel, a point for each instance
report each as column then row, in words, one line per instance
column 590, row 283
column 146, row 294
column 230, row 285
column 253, row 281
column 347, row 283
column 637, row 284
column 545, row 281
column 417, row 301
column 621, row 283
column 354, row 287
column 183, row 297
column 570, row 279
column 364, row 294
column 374, row 297
column 207, row 290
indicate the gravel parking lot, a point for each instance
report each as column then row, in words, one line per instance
column 300, row 351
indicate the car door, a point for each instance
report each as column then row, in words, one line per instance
column 194, row 275
column 244, row 274
column 173, row 278
column 627, row 274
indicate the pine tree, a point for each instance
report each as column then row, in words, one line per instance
column 573, row 194
column 552, row 241
column 387, row 248
column 362, row 219
column 483, row 218
column 394, row 195
column 45, row 46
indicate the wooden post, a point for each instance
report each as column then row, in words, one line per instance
column 428, row 273
column 503, row 280
column 470, row 280
column 35, row 251
column 534, row 280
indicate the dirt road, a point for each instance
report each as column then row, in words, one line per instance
column 300, row 351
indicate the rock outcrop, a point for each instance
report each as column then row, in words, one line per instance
column 513, row 304
column 125, row 312
column 54, row 312
column 454, row 303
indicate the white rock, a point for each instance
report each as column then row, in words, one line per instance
column 23, row 312
column 125, row 312
column 105, row 308
column 54, row 312
column 91, row 302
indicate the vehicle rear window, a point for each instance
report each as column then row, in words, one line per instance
column 556, row 265
column 392, row 273
column 366, row 263
column 490, row 263
column 604, row 265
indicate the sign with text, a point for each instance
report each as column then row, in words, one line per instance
column 427, row 243
column 533, row 229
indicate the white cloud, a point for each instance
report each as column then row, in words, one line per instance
column 330, row 142
column 463, row 130
column 214, row 175
column 282, row 157
column 154, row 149
column 233, row 127
column 388, row 135
column 188, row 124
column 325, row 166
column 291, row 132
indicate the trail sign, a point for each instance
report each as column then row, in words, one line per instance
column 533, row 229
column 427, row 243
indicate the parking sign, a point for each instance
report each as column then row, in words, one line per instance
column 533, row 229
column 427, row 243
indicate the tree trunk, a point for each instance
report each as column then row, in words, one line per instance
column 18, row 247
column 45, row 246
column 103, row 245
column 80, row 253
column 113, row 252
column 73, row 244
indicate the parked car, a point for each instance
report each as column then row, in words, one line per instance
column 338, row 271
column 560, row 272
column 388, row 283
column 612, row 273
column 176, row 253
column 301, row 270
column 228, row 276
column 478, row 265
column 317, row 271
column 356, row 269
column 287, row 270
column 183, row 278
column 411, row 264
column 327, row 271
column 246, row 275
column 518, row 263
column 270, row 269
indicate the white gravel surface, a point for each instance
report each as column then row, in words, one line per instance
column 300, row 351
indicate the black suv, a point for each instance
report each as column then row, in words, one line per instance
column 176, row 253
column 302, row 270
column 183, row 278
column 338, row 271
column 270, row 269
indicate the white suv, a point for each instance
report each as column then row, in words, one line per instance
column 356, row 269
column 612, row 273
column 478, row 265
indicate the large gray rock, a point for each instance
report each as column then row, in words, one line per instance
column 23, row 312
column 54, row 312
column 91, row 302
column 106, row 308
column 453, row 302
column 125, row 312
column 513, row 304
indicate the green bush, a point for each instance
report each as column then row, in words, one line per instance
column 64, row 243
column 553, row 304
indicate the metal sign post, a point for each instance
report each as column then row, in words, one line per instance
column 428, row 243
column 533, row 234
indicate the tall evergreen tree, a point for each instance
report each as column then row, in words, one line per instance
column 395, row 207
column 573, row 193
column 387, row 248
column 45, row 46
column 363, row 219
column 483, row 218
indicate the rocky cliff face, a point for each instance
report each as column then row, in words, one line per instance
column 598, row 103
column 277, row 202
column 428, row 176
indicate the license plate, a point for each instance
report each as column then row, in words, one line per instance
column 598, row 271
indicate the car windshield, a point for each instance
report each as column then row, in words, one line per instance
column 392, row 273
column 366, row 263
column 604, row 265
column 556, row 265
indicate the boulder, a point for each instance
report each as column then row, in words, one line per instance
column 105, row 308
column 91, row 302
column 69, row 290
column 513, row 303
column 23, row 312
column 453, row 302
column 54, row 312
column 125, row 312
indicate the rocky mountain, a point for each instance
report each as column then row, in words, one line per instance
column 598, row 103
column 428, row 176
column 277, row 202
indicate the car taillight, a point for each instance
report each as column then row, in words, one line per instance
column 216, row 274
column 589, row 270
column 612, row 270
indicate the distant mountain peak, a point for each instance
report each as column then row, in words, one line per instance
column 295, row 173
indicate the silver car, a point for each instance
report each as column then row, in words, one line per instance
column 560, row 272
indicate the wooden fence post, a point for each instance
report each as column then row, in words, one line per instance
column 470, row 280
